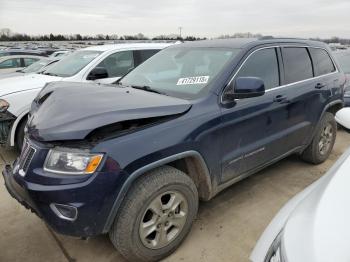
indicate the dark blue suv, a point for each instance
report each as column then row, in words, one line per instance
column 133, row 159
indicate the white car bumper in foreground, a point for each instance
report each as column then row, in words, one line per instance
column 290, row 236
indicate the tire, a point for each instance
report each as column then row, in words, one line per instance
column 20, row 134
column 167, row 185
column 314, row 153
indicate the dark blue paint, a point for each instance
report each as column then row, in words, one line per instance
column 233, row 139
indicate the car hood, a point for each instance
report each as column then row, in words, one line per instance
column 14, row 74
column 318, row 230
column 74, row 110
column 24, row 82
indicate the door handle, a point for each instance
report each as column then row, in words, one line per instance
column 320, row 85
column 281, row 99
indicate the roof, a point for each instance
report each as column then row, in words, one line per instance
column 250, row 42
column 112, row 47
column 2, row 58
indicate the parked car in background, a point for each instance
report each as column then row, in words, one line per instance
column 36, row 67
column 314, row 225
column 133, row 160
column 59, row 53
column 10, row 52
column 343, row 58
column 9, row 64
column 103, row 64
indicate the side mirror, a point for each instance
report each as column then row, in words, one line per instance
column 97, row 73
column 245, row 87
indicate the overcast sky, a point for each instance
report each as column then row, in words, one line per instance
column 210, row 18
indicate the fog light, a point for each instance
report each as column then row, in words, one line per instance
column 64, row 211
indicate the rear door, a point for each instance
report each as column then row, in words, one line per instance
column 326, row 84
column 301, row 88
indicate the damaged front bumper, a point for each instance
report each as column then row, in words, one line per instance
column 72, row 205
column 6, row 122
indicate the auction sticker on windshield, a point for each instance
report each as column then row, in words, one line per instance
column 195, row 80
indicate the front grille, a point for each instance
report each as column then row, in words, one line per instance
column 26, row 157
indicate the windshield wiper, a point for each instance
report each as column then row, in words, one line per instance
column 148, row 89
column 49, row 74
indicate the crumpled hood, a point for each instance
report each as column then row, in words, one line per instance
column 73, row 111
column 24, row 82
column 318, row 230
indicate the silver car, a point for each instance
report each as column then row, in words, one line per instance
column 314, row 225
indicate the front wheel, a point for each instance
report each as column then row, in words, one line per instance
column 322, row 144
column 156, row 215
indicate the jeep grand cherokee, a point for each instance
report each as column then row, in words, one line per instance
column 133, row 159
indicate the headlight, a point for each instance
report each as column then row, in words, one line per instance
column 275, row 253
column 4, row 105
column 72, row 162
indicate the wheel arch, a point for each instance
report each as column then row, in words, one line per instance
column 190, row 162
column 331, row 107
column 334, row 107
column 15, row 125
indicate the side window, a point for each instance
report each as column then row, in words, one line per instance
column 142, row 55
column 262, row 64
column 323, row 64
column 118, row 64
column 297, row 64
column 29, row 61
column 10, row 63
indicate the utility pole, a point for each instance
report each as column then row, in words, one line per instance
column 180, row 29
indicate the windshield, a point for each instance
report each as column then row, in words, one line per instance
column 343, row 58
column 72, row 64
column 35, row 67
column 180, row 72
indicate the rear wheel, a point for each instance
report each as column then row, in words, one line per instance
column 156, row 215
column 322, row 144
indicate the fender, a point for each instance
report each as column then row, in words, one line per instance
column 136, row 174
column 15, row 125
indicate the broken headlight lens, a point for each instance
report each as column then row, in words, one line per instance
column 275, row 253
column 72, row 163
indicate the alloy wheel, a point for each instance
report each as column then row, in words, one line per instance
column 326, row 139
column 163, row 220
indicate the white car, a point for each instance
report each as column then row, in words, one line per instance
column 314, row 225
column 103, row 64
column 343, row 117
column 10, row 64
column 38, row 66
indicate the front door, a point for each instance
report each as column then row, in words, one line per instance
column 247, row 127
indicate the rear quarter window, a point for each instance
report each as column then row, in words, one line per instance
column 323, row 64
column 297, row 64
